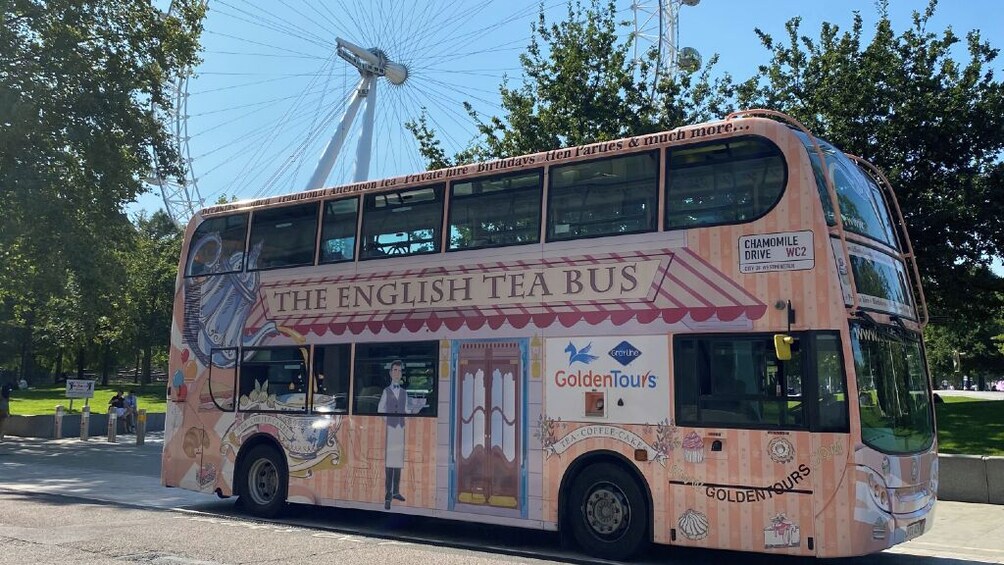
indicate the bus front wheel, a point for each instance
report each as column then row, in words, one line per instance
column 607, row 513
column 263, row 482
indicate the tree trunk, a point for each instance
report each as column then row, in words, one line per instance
column 81, row 353
column 22, row 370
column 147, row 359
column 104, row 363
column 59, row 366
column 135, row 375
column 27, row 363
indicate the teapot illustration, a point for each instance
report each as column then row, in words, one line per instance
column 219, row 302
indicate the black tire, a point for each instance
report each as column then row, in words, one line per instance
column 606, row 513
column 264, row 482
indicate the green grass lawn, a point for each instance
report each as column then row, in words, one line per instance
column 965, row 425
column 956, row 399
column 970, row 426
column 43, row 400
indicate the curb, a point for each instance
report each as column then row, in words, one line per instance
column 971, row 478
column 45, row 426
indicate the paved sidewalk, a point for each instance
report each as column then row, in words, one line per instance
column 128, row 473
column 975, row 394
column 96, row 469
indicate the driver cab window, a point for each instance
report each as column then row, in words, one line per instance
column 737, row 380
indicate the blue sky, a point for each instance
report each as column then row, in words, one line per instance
column 270, row 91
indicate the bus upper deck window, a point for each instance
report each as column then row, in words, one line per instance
column 723, row 182
column 283, row 237
column 217, row 246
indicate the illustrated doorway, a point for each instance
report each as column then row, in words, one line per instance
column 488, row 414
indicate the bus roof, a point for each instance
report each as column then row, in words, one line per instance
column 705, row 131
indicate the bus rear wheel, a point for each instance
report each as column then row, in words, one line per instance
column 263, row 482
column 607, row 513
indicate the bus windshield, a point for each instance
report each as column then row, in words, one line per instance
column 893, row 390
column 862, row 207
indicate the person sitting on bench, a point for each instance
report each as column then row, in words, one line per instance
column 132, row 408
column 117, row 404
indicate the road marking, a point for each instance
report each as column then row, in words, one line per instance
column 941, row 550
column 958, row 547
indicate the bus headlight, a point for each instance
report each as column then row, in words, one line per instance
column 879, row 494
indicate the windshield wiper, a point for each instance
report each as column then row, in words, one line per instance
column 866, row 317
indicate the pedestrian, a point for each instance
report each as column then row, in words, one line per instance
column 117, row 404
column 131, row 409
column 5, row 390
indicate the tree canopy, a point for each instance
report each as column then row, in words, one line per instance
column 579, row 86
column 80, row 128
column 934, row 125
column 81, row 87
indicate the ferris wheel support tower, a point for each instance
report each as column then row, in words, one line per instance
column 657, row 24
column 372, row 64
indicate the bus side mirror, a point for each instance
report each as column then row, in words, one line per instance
column 782, row 346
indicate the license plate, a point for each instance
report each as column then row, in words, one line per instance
column 915, row 529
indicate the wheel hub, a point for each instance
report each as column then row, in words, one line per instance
column 607, row 510
column 264, row 481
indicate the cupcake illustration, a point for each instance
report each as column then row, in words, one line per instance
column 781, row 533
column 693, row 448
column 693, row 524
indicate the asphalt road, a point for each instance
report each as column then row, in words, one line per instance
column 69, row 501
column 61, row 529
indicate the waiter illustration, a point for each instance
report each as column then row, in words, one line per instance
column 394, row 400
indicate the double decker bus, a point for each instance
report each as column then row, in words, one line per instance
column 705, row 337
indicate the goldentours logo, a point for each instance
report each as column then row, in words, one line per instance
column 624, row 353
column 583, row 356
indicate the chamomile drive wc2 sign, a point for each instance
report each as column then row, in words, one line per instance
column 784, row 251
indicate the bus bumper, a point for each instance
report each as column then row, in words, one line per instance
column 877, row 526
column 905, row 527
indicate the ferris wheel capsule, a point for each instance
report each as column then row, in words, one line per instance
column 689, row 60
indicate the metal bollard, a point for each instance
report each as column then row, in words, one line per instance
column 57, row 427
column 85, row 422
column 112, row 425
column 140, row 426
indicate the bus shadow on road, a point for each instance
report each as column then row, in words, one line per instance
column 528, row 543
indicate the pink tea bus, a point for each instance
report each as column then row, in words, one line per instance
column 705, row 337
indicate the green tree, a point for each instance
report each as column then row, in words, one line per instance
column 901, row 101
column 579, row 86
column 80, row 88
column 933, row 124
column 152, row 270
column 978, row 347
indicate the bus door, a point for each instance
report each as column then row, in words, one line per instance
column 487, row 436
column 214, row 399
column 786, row 517
column 749, row 456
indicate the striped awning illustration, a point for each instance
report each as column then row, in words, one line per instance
column 683, row 285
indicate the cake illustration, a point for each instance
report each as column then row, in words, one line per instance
column 781, row 450
column 693, row 448
column 781, row 533
column 206, row 475
column 693, row 524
